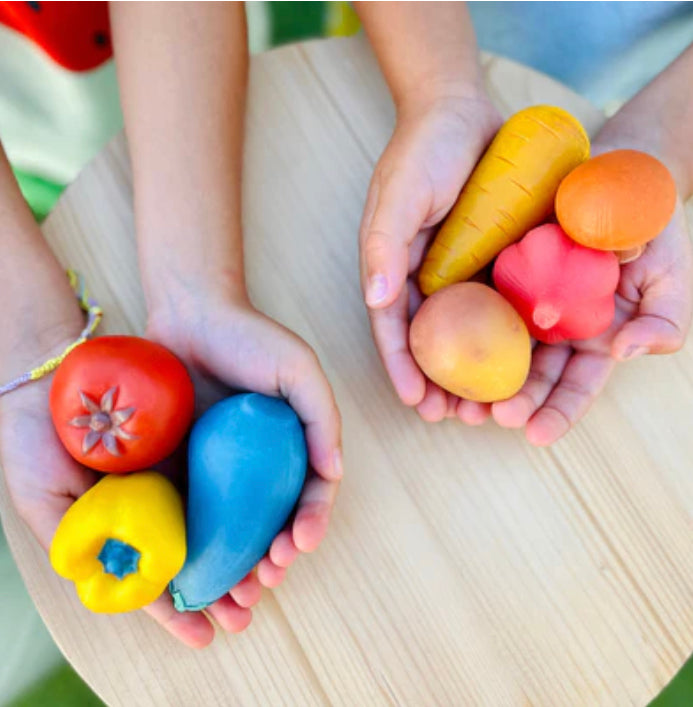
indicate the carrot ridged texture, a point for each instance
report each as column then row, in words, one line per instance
column 511, row 190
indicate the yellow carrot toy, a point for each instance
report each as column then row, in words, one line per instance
column 510, row 191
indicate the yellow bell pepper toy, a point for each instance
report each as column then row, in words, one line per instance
column 122, row 542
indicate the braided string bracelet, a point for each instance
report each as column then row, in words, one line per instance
column 94, row 315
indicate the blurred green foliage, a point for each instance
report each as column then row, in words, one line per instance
column 679, row 692
column 60, row 688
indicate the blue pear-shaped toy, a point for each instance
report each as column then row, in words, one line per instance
column 247, row 463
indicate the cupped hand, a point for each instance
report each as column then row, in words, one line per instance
column 433, row 149
column 44, row 481
column 653, row 314
column 226, row 348
column 230, row 346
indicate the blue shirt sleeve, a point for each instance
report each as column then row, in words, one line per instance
column 604, row 50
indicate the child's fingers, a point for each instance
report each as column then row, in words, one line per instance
column 390, row 328
column 190, row 627
column 473, row 413
column 313, row 513
column 229, row 615
column 309, row 528
column 548, row 364
column 395, row 209
column 658, row 282
column 283, row 551
column 661, row 323
column 304, row 384
column 247, row 592
column 434, row 406
column 269, row 574
column 583, row 379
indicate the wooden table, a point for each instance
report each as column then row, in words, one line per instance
column 463, row 567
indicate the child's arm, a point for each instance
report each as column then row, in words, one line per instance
column 182, row 69
column 427, row 51
column 428, row 55
column 659, row 120
column 38, row 310
column 39, row 318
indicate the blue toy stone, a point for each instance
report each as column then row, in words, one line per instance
column 247, row 463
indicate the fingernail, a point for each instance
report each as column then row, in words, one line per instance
column 633, row 352
column 337, row 466
column 377, row 289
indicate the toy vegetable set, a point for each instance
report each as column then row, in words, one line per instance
column 553, row 282
column 122, row 404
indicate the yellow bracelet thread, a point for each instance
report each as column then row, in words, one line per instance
column 94, row 316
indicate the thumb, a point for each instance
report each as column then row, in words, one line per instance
column 394, row 214
column 43, row 509
column 43, row 514
column 661, row 322
column 659, row 281
column 44, row 517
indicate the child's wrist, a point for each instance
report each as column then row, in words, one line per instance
column 185, row 290
column 445, row 94
column 171, row 311
column 28, row 348
column 626, row 132
column 37, row 339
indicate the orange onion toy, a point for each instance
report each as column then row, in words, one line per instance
column 616, row 201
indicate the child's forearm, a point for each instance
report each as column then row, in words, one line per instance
column 38, row 310
column 659, row 119
column 182, row 69
column 427, row 50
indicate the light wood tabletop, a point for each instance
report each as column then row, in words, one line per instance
column 463, row 566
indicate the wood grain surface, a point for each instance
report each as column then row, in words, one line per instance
column 463, row 566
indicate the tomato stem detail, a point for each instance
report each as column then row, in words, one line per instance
column 103, row 422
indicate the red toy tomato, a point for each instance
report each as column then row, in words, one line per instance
column 121, row 403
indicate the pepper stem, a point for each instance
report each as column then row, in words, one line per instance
column 118, row 558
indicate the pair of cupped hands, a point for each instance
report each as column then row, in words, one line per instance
column 227, row 344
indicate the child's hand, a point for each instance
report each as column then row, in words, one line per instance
column 415, row 183
column 412, row 184
column 653, row 312
column 225, row 348
column 44, row 480
column 234, row 347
